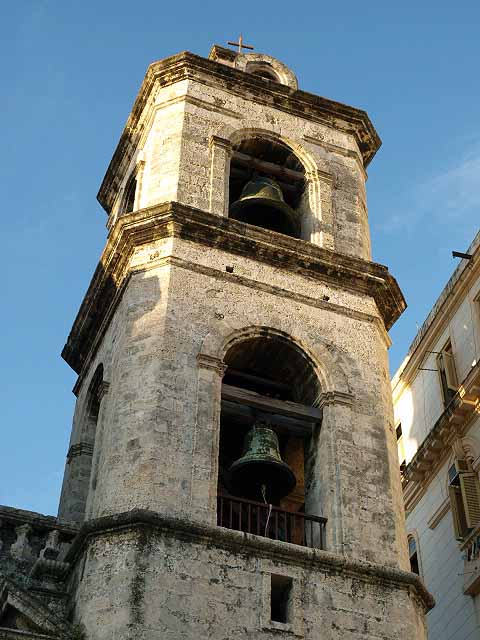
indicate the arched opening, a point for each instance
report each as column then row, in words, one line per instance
column 91, row 422
column 267, row 181
column 128, row 201
column 93, row 399
column 263, row 70
column 270, row 394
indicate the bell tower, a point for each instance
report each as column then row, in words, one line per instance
column 233, row 457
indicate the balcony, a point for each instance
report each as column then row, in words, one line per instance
column 271, row 522
column 471, row 574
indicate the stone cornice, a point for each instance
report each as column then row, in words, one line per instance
column 176, row 220
column 452, row 296
column 185, row 65
column 241, row 543
column 37, row 521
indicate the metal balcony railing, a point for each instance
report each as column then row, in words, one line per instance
column 271, row 522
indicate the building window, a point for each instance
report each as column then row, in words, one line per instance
column 446, row 370
column 413, row 555
column 464, row 493
column 401, row 447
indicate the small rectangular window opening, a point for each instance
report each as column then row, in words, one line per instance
column 398, row 431
column 280, row 598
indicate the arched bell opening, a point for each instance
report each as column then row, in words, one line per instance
column 267, row 181
column 269, row 395
column 263, row 70
column 129, row 195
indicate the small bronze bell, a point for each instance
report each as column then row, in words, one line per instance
column 262, row 204
column 260, row 473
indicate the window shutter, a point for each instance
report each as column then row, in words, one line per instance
column 458, row 513
column 449, row 365
column 471, row 498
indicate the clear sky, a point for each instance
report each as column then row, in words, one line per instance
column 70, row 72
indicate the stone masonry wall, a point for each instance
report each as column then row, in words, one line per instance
column 157, row 585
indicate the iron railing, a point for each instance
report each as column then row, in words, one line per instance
column 271, row 522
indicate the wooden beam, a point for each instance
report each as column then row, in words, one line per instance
column 271, row 405
column 245, row 173
column 279, row 386
column 241, row 414
column 273, row 169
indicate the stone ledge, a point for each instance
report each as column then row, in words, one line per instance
column 36, row 520
column 172, row 219
column 241, row 542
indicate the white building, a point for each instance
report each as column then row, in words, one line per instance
column 436, row 408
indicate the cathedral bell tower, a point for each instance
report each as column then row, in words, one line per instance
column 233, row 458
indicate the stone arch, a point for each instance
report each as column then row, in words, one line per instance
column 251, row 129
column 315, row 208
column 96, row 380
column 285, row 76
column 227, row 333
column 412, row 535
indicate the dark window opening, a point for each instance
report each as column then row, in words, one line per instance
column 414, row 563
column 398, row 431
column 280, row 598
column 412, row 552
column 129, row 195
column 93, row 411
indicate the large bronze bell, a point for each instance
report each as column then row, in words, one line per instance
column 260, row 474
column 262, row 204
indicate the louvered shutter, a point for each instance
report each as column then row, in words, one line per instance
column 471, row 498
column 458, row 512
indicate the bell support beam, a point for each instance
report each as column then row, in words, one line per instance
column 271, row 168
column 271, row 405
column 244, row 415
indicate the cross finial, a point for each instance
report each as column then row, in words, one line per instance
column 240, row 44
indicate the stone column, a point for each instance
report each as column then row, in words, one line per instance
column 317, row 227
column 220, row 153
column 323, row 479
column 98, row 449
column 204, row 472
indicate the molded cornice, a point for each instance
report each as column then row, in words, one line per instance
column 242, row 543
column 186, row 65
column 175, row 220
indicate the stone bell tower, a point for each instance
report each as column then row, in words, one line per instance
column 236, row 320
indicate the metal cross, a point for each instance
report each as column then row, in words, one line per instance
column 240, row 44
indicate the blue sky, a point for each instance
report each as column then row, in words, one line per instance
column 69, row 75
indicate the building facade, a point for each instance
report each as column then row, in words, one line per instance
column 437, row 420
column 232, row 470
